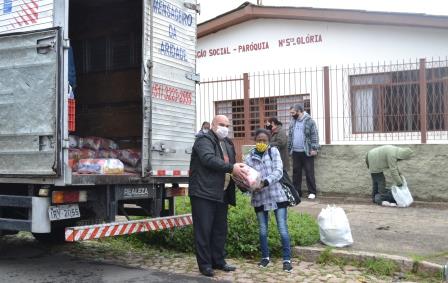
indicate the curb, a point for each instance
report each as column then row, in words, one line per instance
column 337, row 198
column 311, row 254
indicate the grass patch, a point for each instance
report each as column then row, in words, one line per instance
column 420, row 258
column 379, row 267
column 327, row 257
column 242, row 239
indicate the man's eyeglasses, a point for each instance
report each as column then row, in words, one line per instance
column 223, row 125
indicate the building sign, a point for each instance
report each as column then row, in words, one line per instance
column 292, row 41
column 259, row 46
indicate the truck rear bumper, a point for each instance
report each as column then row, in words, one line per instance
column 37, row 222
column 91, row 232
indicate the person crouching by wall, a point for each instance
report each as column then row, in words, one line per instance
column 270, row 196
column 380, row 159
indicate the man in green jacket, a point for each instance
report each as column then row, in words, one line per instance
column 380, row 159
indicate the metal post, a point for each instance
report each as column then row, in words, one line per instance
column 261, row 112
column 327, row 105
column 423, row 95
column 246, row 107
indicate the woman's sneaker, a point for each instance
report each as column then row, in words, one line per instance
column 287, row 266
column 263, row 262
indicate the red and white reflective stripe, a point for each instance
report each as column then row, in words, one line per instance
column 91, row 232
column 170, row 173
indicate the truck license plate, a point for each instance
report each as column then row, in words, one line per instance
column 60, row 212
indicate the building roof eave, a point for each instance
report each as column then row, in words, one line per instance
column 248, row 11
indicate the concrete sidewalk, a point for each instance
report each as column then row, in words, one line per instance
column 419, row 232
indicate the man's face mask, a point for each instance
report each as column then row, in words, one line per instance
column 261, row 146
column 222, row 132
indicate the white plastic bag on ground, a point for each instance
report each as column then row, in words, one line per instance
column 334, row 227
column 402, row 195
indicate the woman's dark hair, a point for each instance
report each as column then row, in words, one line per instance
column 275, row 121
column 205, row 123
column 262, row 131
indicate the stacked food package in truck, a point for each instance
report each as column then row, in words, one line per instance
column 96, row 155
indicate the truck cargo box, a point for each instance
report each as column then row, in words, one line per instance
column 135, row 80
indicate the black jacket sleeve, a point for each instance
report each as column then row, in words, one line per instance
column 205, row 148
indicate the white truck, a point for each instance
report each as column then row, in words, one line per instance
column 134, row 63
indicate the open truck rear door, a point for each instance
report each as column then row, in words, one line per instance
column 169, row 84
column 30, row 94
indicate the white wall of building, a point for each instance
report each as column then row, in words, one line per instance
column 340, row 43
column 317, row 44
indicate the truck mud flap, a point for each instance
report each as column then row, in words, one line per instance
column 91, row 232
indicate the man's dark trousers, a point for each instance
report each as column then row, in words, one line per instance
column 379, row 191
column 300, row 161
column 210, row 231
column 378, row 184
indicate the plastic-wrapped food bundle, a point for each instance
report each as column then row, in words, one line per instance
column 100, row 166
column 252, row 180
column 130, row 156
column 74, row 141
column 134, row 170
column 105, row 153
column 76, row 154
column 97, row 143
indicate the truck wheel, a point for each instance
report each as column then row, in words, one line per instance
column 56, row 236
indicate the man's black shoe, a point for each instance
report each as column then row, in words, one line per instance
column 226, row 267
column 207, row 272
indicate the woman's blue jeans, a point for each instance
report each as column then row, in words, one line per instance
column 281, row 215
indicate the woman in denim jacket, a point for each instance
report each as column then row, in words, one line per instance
column 270, row 196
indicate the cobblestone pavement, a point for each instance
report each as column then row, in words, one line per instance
column 247, row 271
column 177, row 267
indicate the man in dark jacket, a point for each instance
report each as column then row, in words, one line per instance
column 211, row 190
column 303, row 144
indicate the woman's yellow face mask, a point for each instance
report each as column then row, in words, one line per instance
column 261, row 147
column 262, row 142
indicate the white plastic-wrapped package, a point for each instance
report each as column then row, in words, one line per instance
column 334, row 227
column 100, row 166
column 252, row 180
